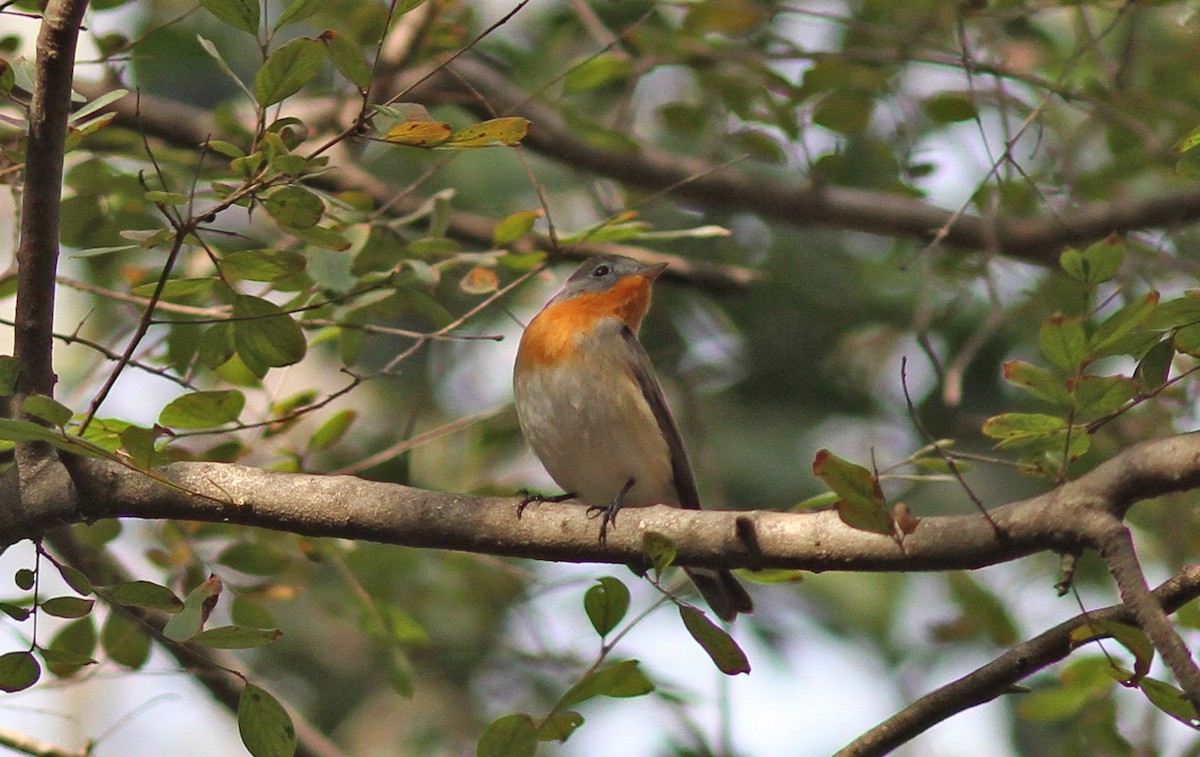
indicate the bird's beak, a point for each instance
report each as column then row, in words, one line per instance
column 652, row 272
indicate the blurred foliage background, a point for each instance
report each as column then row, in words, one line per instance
column 1009, row 112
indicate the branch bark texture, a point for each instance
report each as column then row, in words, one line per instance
column 37, row 252
column 1065, row 519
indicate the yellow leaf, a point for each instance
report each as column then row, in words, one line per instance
column 480, row 280
column 496, row 132
column 419, row 133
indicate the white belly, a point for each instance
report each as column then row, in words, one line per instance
column 594, row 432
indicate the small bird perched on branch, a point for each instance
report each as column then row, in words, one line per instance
column 593, row 411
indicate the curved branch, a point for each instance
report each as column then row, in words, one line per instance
column 999, row 675
column 1038, row 239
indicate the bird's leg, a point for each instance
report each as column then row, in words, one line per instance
column 527, row 498
column 610, row 512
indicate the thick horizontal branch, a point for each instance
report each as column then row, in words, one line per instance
column 341, row 506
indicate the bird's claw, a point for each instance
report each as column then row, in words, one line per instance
column 528, row 498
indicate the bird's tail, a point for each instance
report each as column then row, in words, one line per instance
column 721, row 591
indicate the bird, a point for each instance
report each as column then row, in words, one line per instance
column 591, row 407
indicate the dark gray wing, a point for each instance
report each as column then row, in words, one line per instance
column 681, row 469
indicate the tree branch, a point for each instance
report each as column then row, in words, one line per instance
column 341, row 506
column 37, row 252
column 211, row 668
column 191, row 127
column 19, row 742
column 1116, row 547
column 999, row 675
column 1037, row 239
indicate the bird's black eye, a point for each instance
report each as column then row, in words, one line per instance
column 601, row 271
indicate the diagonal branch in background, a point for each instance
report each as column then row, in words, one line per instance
column 998, row 676
column 188, row 126
column 211, row 668
column 1037, row 239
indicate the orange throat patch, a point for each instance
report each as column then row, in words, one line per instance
column 554, row 333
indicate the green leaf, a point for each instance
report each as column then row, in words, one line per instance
column 1111, row 333
column 141, row 446
column 247, row 612
column 176, row 290
column 199, row 602
column 1170, row 700
column 252, row 559
column 1181, row 311
column 264, row 725
column 166, row 198
column 142, row 594
column 48, row 409
column 950, row 107
column 1039, row 382
column 1099, row 262
column 10, row 369
column 1016, row 425
column 72, row 648
column 1187, row 340
column 294, row 207
column 845, row 111
column 606, row 604
column 497, row 132
column 25, row 579
column 287, row 70
column 597, row 71
column 1132, row 638
column 16, row 612
column 67, row 607
column 18, row 671
column 331, row 430
column 297, row 12
column 216, row 346
column 400, row 672
column 982, row 608
column 236, row 637
column 203, row 409
column 508, row 736
column 1188, row 141
column 621, row 680
column 861, row 503
column 1063, row 342
column 240, row 14
column 720, row 646
column 74, row 578
column 265, row 335
column 660, row 549
column 124, row 641
column 1155, row 366
column 398, row 626
column 347, row 58
column 559, row 726
column 1101, row 395
column 514, row 227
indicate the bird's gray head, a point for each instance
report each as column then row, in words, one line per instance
column 602, row 272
